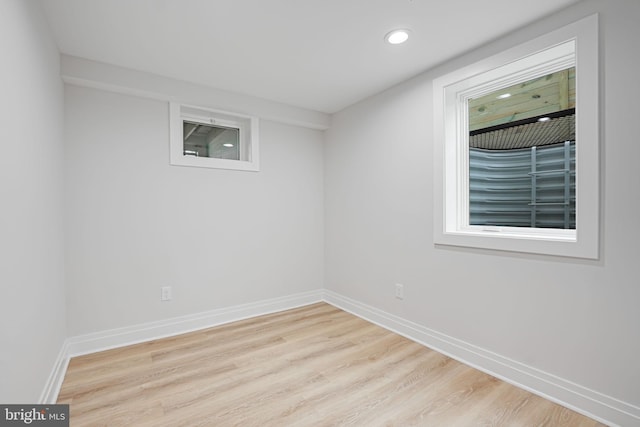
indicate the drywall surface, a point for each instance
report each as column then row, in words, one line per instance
column 32, row 306
column 219, row 238
column 576, row 319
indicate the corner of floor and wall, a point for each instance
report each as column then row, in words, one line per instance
column 96, row 221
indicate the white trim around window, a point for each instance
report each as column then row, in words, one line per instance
column 575, row 44
column 246, row 126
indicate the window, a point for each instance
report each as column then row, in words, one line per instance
column 212, row 139
column 516, row 148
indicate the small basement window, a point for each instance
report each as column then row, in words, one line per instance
column 213, row 139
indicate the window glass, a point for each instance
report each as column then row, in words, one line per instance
column 201, row 140
column 522, row 153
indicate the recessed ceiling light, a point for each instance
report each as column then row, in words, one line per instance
column 397, row 36
column 228, row 145
column 544, row 119
column 503, row 96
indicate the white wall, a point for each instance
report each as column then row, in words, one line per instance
column 32, row 302
column 220, row 238
column 575, row 319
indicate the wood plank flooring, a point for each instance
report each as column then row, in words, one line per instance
column 311, row 366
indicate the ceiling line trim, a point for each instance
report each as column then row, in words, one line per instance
column 86, row 73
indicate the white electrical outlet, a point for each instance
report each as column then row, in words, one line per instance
column 165, row 294
column 399, row 291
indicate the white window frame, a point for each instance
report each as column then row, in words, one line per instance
column 246, row 125
column 575, row 44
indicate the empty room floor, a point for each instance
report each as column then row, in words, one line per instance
column 311, row 366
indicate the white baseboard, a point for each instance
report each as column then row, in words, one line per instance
column 113, row 338
column 52, row 387
column 591, row 403
column 588, row 402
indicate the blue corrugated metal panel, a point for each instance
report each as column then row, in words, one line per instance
column 530, row 187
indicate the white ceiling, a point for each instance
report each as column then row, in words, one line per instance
column 318, row 54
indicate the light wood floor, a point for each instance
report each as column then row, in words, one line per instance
column 312, row 366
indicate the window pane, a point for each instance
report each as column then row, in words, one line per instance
column 522, row 154
column 201, row 140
